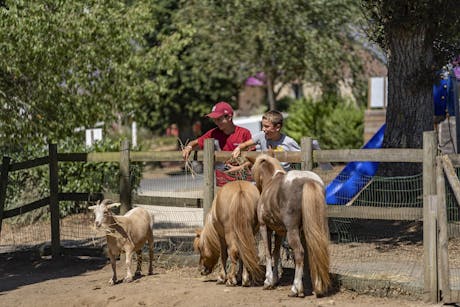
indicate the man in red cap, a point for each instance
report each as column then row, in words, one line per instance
column 226, row 135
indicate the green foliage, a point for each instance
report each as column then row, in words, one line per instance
column 33, row 184
column 287, row 40
column 333, row 122
column 67, row 64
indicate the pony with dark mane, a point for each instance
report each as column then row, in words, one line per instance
column 229, row 230
column 290, row 203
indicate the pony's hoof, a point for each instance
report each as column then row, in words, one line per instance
column 138, row 274
column 245, row 283
column 230, row 283
column 268, row 287
column 295, row 294
column 150, row 272
column 128, row 279
column 112, row 281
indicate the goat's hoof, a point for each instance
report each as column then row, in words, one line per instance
column 112, row 281
column 150, row 272
column 128, row 279
column 268, row 287
column 138, row 274
column 220, row 281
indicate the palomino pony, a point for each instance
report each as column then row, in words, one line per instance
column 290, row 203
column 230, row 229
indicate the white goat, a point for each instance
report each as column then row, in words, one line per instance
column 126, row 233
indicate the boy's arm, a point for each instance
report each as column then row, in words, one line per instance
column 188, row 149
column 237, row 151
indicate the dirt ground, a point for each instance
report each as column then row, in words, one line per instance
column 83, row 281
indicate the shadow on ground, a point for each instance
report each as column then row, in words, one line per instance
column 20, row 269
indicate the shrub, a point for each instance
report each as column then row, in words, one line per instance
column 333, row 121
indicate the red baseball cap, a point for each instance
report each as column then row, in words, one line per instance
column 220, row 109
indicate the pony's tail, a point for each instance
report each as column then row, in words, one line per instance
column 316, row 233
column 243, row 217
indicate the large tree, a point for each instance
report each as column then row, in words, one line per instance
column 419, row 37
column 287, row 40
column 66, row 64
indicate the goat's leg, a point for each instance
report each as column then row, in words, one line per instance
column 151, row 255
column 112, row 258
column 139, row 263
column 129, row 274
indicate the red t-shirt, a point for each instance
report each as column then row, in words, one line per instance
column 226, row 142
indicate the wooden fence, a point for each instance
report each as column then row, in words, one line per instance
column 306, row 157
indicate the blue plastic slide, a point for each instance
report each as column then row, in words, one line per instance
column 354, row 176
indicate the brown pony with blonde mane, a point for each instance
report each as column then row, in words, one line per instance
column 229, row 230
column 290, row 203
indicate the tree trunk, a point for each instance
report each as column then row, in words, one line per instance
column 270, row 91
column 410, row 108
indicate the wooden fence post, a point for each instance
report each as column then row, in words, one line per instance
column 443, row 236
column 54, row 201
column 307, row 153
column 429, row 189
column 3, row 184
column 125, row 182
column 208, row 174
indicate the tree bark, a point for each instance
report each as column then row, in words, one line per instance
column 410, row 108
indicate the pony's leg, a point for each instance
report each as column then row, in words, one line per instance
column 231, row 276
column 223, row 258
column 129, row 274
column 266, row 238
column 112, row 258
column 293, row 237
column 277, row 258
column 245, row 280
column 139, row 263
column 239, row 274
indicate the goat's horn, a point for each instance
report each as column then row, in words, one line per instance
column 92, row 207
column 114, row 205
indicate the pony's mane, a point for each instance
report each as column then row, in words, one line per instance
column 209, row 236
column 264, row 168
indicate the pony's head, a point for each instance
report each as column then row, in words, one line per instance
column 206, row 245
column 102, row 211
column 264, row 168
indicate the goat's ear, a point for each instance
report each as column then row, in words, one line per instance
column 271, row 153
column 92, row 207
column 114, row 205
column 98, row 202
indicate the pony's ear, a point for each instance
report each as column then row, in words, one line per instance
column 198, row 232
column 250, row 159
column 271, row 152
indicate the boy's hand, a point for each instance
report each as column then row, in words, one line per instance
column 233, row 168
column 236, row 152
